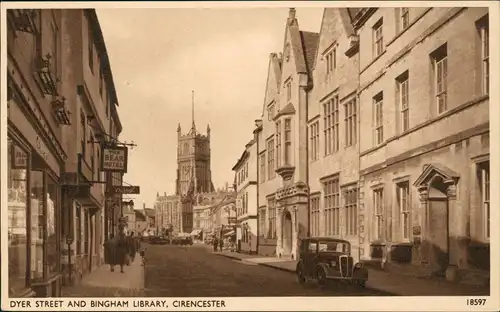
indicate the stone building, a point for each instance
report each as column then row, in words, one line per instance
column 333, row 130
column 424, row 152
column 283, row 137
column 61, row 107
column 245, row 171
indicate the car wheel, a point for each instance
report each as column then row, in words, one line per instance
column 321, row 276
column 300, row 275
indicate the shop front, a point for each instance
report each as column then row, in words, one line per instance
column 34, row 199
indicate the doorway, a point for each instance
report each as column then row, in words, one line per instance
column 287, row 233
column 438, row 227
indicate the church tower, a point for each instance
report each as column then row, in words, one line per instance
column 193, row 160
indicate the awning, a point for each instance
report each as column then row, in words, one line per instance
column 195, row 232
column 229, row 233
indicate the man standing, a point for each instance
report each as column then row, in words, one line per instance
column 132, row 246
column 215, row 243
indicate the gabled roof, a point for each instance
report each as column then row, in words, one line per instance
column 310, row 42
column 304, row 45
column 273, row 67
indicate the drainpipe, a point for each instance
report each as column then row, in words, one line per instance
column 358, row 105
column 256, row 138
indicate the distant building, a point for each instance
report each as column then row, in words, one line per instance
column 245, row 171
column 141, row 224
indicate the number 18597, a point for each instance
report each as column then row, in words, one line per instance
column 476, row 302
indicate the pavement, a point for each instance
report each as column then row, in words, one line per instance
column 196, row 271
column 101, row 282
column 378, row 280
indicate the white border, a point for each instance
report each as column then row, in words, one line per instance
column 457, row 303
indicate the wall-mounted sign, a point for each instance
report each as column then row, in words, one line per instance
column 231, row 220
column 19, row 158
column 114, row 158
column 125, row 189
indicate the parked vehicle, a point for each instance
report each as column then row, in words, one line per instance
column 327, row 259
column 157, row 240
column 182, row 240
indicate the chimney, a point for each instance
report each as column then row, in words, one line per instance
column 144, row 206
column 227, row 186
column 165, row 194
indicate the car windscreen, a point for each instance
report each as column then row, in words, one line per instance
column 333, row 246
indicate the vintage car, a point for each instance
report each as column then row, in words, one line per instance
column 328, row 259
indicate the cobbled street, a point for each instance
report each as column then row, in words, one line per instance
column 194, row 271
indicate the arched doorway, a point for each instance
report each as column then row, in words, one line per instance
column 287, row 233
column 437, row 186
column 438, row 225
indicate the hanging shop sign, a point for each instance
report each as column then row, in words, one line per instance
column 125, row 189
column 114, row 158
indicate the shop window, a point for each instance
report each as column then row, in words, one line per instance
column 17, row 160
column 37, row 228
column 52, row 237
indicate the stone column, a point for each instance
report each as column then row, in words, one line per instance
column 421, row 222
column 455, row 230
column 279, row 231
column 295, row 231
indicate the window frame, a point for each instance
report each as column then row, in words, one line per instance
column 314, row 141
column 378, row 214
column 485, row 55
column 378, row 119
column 288, row 157
column 331, row 125
column 262, row 167
column 403, row 202
column 315, row 213
column 403, row 100
column 278, row 137
column 350, row 195
column 332, row 206
column 485, row 176
column 271, row 174
column 378, row 38
column 350, row 121
column 440, row 66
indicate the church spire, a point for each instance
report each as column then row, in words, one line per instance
column 193, row 127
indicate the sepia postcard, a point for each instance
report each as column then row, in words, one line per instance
column 250, row 156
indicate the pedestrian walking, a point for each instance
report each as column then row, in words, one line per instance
column 215, row 244
column 132, row 246
column 110, row 252
column 121, row 251
column 221, row 244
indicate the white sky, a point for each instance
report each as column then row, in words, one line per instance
column 159, row 55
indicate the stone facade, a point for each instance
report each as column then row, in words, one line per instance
column 396, row 153
column 245, row 171
column 424, row 172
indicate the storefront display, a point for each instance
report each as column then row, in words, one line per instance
column 33, row 207
column 17, row 164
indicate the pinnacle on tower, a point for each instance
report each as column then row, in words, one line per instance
column 179, row 127
column 193, row 127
